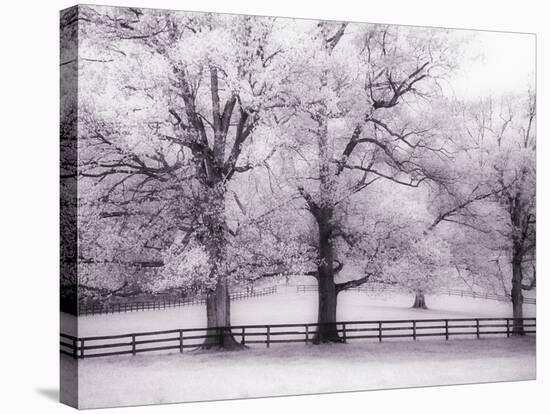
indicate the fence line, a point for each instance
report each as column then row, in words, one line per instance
column 166, row 303
column 96, row 309
column 180, row 339
column 451, row 292
column 477, row 295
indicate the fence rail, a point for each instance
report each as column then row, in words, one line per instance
column 479, row 295
column 451, row 292
column 97, row 309
column 180, row 339
column 364, row 288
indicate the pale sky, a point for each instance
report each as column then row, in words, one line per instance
column 495, row 63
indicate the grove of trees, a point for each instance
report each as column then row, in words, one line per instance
column 216, row 150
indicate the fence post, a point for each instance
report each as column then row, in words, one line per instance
column 414, row 330
column 181, row 341
column 243, row 336
column 379, row 331
column 133, row 344
column 82, row 348
column 268, row 335
column 75, row 349
column 477, row 328
column 221, row 339
column 446, row 329
column 307, row 334
column 344, row 332
column 507, row 328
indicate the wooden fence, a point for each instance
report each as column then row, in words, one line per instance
column 97, row 309
column 180, row 339
column 452, row 292
column 478, row 295
column 364, row 288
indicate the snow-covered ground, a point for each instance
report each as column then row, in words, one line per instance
column 300, row 369
column 287, row 306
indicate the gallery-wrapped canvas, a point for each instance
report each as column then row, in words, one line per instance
column 265, row 206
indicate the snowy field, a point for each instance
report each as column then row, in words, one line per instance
column 287, row 306
column 300, row 369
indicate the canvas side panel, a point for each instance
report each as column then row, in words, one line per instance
column 69, row 20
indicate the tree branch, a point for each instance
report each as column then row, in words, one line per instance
column 352, row 283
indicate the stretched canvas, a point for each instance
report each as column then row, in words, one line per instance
column 264, row 206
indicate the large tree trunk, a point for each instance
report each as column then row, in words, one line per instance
column 219, row 319
column 323, row 212
column 326, row 317
column 517, row 296
column 217, row 300
column 516, row 218
column 419, row 301
column 327, row 329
